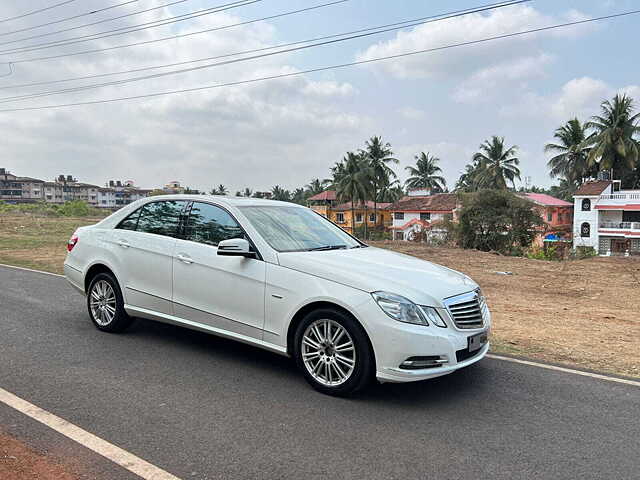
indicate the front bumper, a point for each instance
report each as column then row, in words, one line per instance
column 394, row 342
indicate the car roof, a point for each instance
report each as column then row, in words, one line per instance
column 224, row 200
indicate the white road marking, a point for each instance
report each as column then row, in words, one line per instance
column 30, row 270
column 565, row 370
column 117, row 455
column 490, row 355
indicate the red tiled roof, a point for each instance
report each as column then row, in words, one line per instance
column 359, row 206
column 441, row 202
column 411, row 222
column 593, row 188
column 327, row 195
column 546, row 200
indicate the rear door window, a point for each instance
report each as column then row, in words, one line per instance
column 161, row 218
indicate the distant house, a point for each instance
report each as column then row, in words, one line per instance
column 323, row 202
column 607, row 218
column 422, row 214
column 556, row 214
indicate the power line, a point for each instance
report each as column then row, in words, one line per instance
column 80, row 15
column 321, row 69
column 36, row 11
column 256, row 50
column 378, row 30
column 183, row 35
column 129, row 29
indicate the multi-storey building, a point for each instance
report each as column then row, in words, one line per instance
column 16, row 189
column 66, row 188
column 607, row 218
column 556, row 214
column 367, row 213
column 117, row 194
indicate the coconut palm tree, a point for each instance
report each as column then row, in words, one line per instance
column 498, row 165
column 352, row 177
column 379, row 155
column 316, row 186
column 613, row 141
column 468, row 181
column 570, row 159
column 425, row 174
column 279, row 193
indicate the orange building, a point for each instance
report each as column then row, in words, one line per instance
column 556, row 214
column 326, row 204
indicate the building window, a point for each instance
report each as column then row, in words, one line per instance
column 586, row 205
column 425, row 216
column 398, row 215
column 549, row 216
column 399, row 236
column 358, row 218
column 372, row 217
column 585, row 229
column 340, row 217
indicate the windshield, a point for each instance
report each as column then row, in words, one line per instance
column 292, row 229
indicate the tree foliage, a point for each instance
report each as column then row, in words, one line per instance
column 426, row 174
column 493, row 220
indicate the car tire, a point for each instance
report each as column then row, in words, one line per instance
column 338, row 362
column 106, row 305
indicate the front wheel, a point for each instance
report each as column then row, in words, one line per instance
column 333, row 352
column 105, row 304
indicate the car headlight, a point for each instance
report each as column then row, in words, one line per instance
column 404, row 310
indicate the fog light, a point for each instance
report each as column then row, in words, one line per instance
column 416, row 363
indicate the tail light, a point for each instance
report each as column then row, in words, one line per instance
column 72, row 242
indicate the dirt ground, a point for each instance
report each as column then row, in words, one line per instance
column 580, row 312
column 19, row 462
column 584, row 313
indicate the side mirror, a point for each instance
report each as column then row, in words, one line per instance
column 235, row 247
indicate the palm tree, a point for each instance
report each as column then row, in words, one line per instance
column 247, row 192
column 222, row 190
column 352, row 180
column 613, row 144
column 468, row 181
column 299, row 196
column 379, row 155
column 425, row 176
column 497, row 164
column 570, row 160
column 316, row 186
column 279, row 193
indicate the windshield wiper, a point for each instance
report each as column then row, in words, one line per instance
column 326, row 247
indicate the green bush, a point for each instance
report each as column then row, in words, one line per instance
column 76, row 208
column 539, row 253
column 584, row 252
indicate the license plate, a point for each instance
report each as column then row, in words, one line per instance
column 477, row 341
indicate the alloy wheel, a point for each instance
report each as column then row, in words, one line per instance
column 103, row 303
column 328, row 352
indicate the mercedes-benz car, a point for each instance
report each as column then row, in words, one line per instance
column 284, row 278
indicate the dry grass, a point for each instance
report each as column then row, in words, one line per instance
column 582, row 312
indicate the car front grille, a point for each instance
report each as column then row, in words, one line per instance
column 467, row 310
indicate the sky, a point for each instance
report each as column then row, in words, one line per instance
column 290, row 130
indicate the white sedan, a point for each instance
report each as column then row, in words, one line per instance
column 279, row 276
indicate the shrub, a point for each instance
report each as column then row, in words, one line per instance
column 584, row 252
column 495, row 220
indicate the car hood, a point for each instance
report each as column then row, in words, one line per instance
column 376, row 269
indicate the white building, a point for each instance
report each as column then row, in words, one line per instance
column 118, row 194
column 607, row 218
column 422, row 213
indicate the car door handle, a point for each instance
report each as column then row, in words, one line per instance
column 123, row 243
column 184, row 258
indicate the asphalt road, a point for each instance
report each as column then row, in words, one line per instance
column 202, row 407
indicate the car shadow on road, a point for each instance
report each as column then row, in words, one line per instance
column 274, row 369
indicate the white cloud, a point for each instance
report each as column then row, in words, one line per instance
column 459, row 62
column 483, row 83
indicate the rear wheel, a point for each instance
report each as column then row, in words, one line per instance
column 105, row 304
column 333, row 352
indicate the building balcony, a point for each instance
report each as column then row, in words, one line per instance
column 619, row 201
column 620, row 226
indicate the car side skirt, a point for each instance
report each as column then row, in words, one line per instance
column 181, row 322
